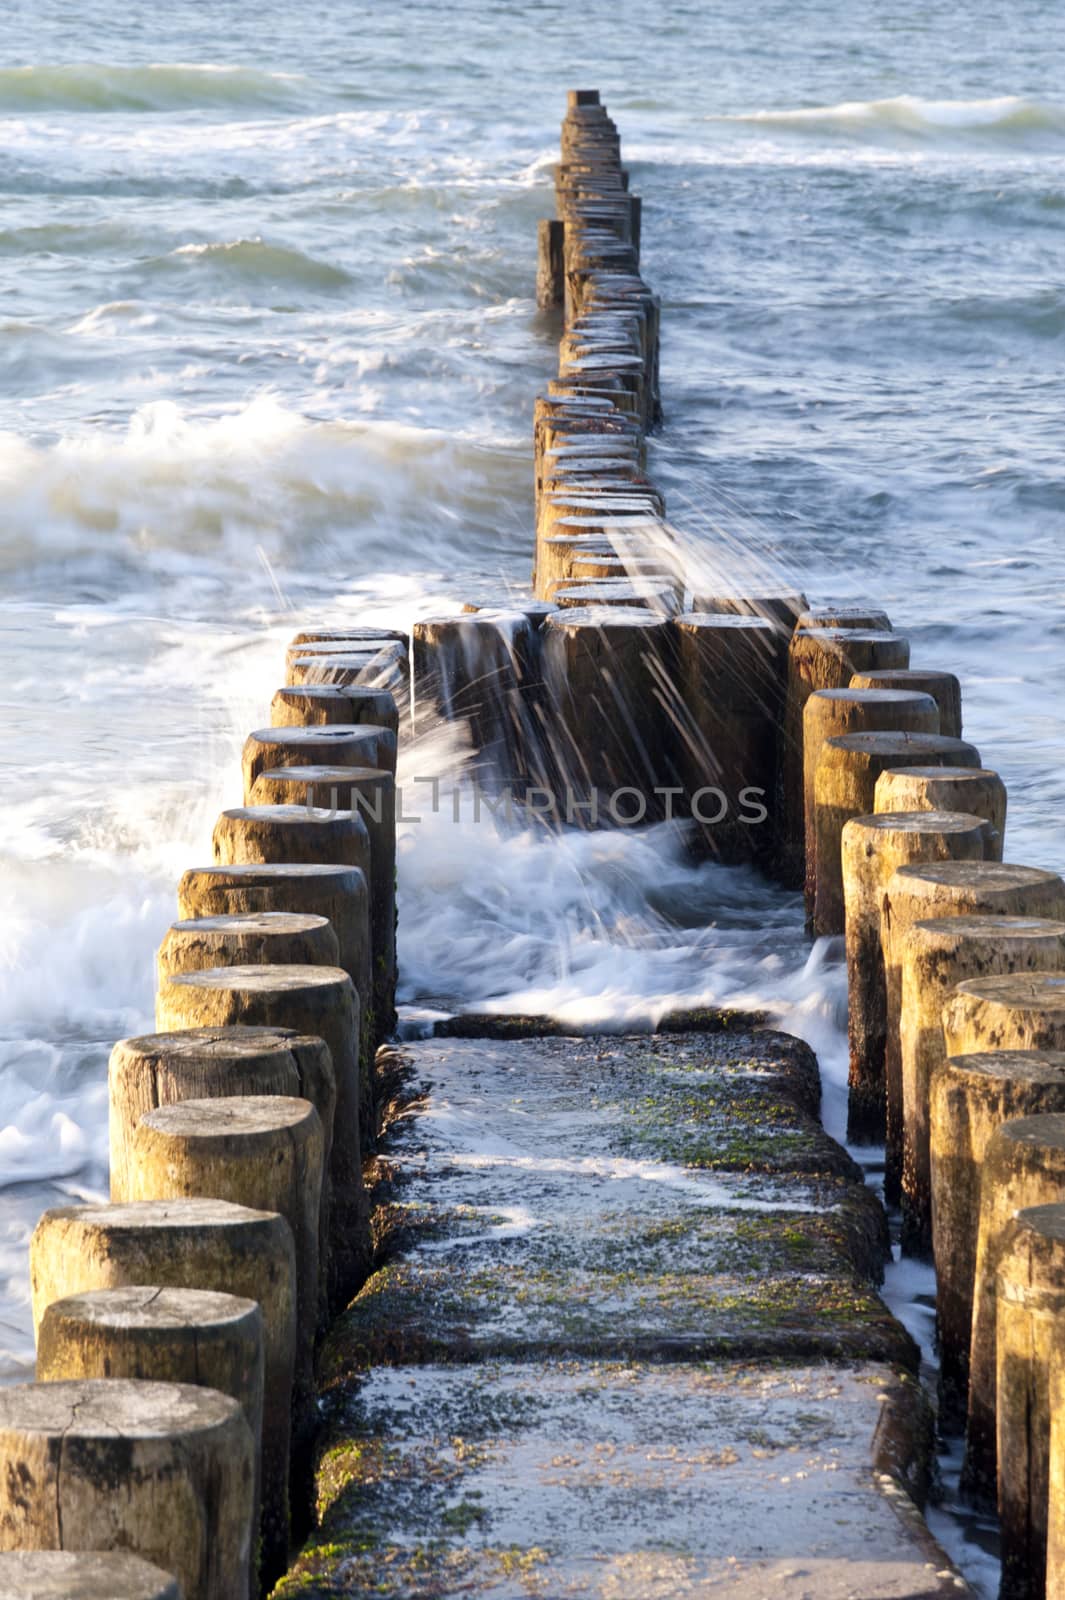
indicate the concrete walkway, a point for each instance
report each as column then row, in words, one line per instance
column 625, row 1342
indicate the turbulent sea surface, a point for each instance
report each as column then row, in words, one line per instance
column 268, row 350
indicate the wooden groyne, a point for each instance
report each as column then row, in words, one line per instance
column 513, row 1314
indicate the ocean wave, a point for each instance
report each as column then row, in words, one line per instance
column 1006, row 117
column 259, row 477
column 164, row 86
column 255, row 261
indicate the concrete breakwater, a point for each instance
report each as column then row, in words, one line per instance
column 537, row 1316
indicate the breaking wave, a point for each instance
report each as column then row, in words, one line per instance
column 159, row 87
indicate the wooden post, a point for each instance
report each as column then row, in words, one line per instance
column 1023, row 1012
column 258, row 938
column 315, row 1000
column 933, row 957
column 821, row 658
column 288, row 834
column 550, row 274
column 300, row 706
column 163, row 1470
column 974, row 789
column 942, row 686
column 606, row 668
column 917, row 893
column 1029, row 1335
column 161, row 1069
column 371, row 795
column 1056, row 1517
column 834, row 713
column 970, row 1097
column 1024, row 1165
column 190, row 1336
column 871, row 849
column 266, row 1153
column 844, row 787
column 324, row 744
column 730, row 680
column 190, row 1244
column 782, row 607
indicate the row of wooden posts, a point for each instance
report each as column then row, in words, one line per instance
column 165, row 1449
column 174, row 1410
column 877, row 807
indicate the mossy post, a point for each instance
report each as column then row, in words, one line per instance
column 934, row 956
column 971, row 1096
column 1029, row 1337
column 190, row 1336
column 318, row 1000
column 263, row 1152
column 191, row 1244
column 821, row 657
column 871, row 849
column 165, row 1471
column 82, row 1575
column 974, row 789
column 844, row 787
column 918, row 893
column 1024, row 1165
column 256, row 938
column 370, row 794
column 832, row 713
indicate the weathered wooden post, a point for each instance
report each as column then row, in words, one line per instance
column 163, row 1470
column 190, row 1244
column 1022, row 1012
column 970, row 1097
column 1024, row 1166
column 730, row 682
column 607, row 668
column 550, row 275
column 933, row 957
column 942, row 686
column 834, row 713
column 371, row 795
column 977, row 790
column 290, row 834
column 326, row 744
column 315, row 1000
column 871, row 849
column 1029, row 1336
column 844, row 787
column 191, row 1336
column 265, row 1153
column 301, row 706
column 918, row 893
column 257, row 938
